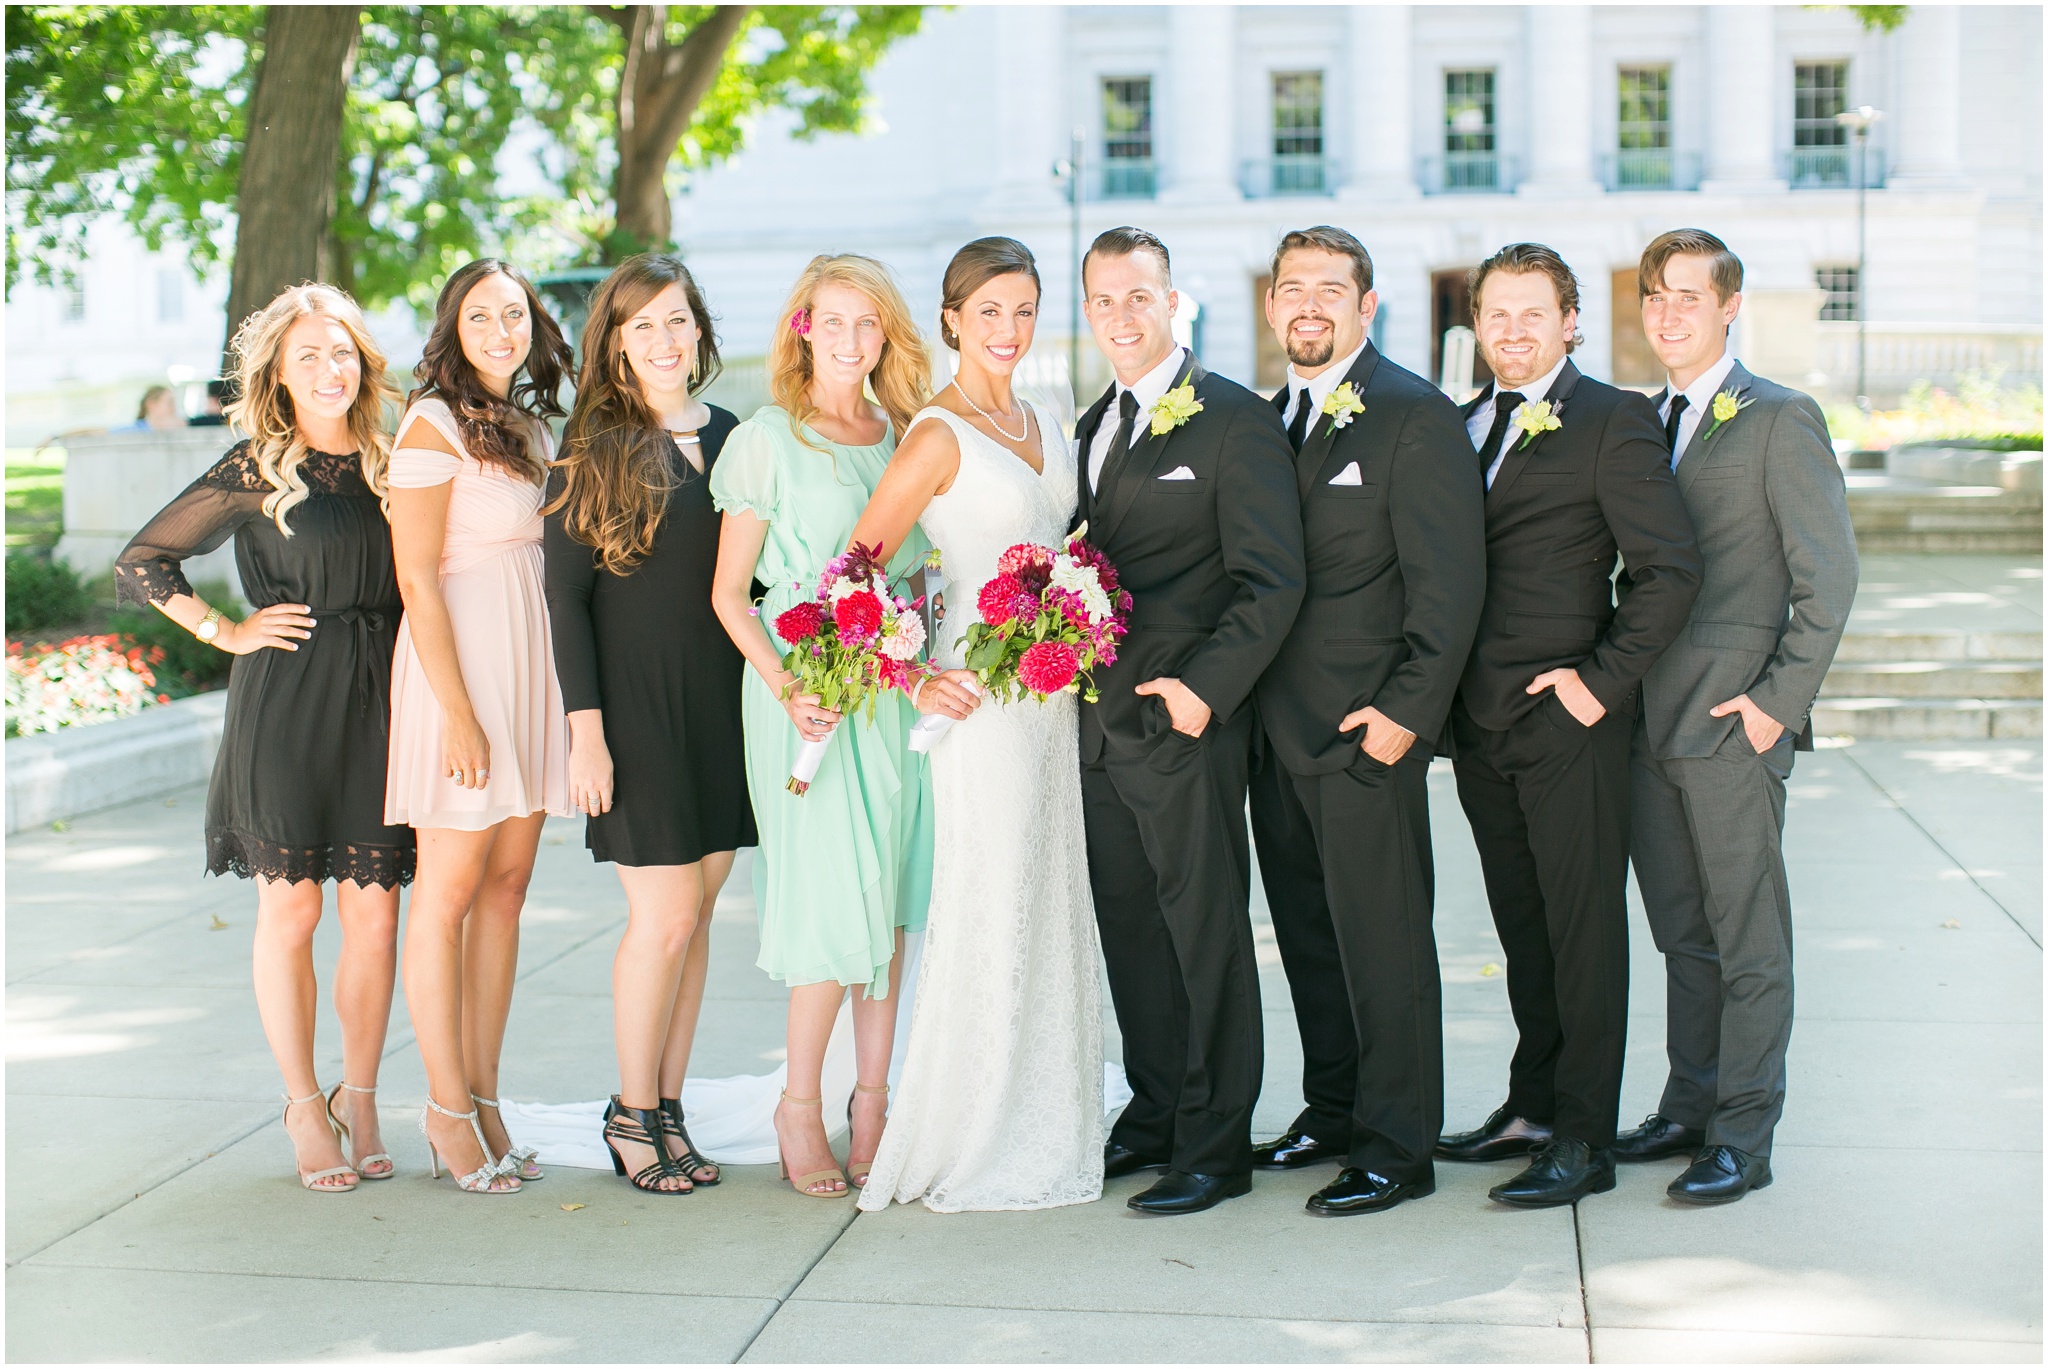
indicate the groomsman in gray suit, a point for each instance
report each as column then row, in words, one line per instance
column 1723, row 710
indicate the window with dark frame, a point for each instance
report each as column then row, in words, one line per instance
column 1820, row 91
column 1297, row 132
column 1127, row 136
column 1470, row 155
column 1843, row 300
column 1643, row 158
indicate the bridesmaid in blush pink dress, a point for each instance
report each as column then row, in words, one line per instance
column 479, row 741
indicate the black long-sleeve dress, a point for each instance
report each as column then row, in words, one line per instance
column 646, row 649
column 298, row 787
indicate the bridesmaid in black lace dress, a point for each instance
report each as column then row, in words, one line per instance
column 297, row 796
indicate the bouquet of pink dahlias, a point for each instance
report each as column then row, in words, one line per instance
column 1048, row 618
column 855, row 639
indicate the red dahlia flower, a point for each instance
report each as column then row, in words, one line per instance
column 859, row 615
column 997, row 602
column 805, row 620
column 1022, row 555
column 1048, row 667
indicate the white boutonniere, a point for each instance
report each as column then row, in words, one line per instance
column 1342, row 405
column 1537, row 419
column 1726, row 405
column 1173, row 408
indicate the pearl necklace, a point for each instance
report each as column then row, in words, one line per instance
column 991, row 417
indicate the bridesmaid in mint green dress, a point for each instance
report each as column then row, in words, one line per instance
column 845, row 869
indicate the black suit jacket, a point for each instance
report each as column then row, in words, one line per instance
column 1559, row 509
column 1396, row 571
column 1213, row 564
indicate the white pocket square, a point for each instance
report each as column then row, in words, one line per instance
column 1348, row 476
column 1178, row 473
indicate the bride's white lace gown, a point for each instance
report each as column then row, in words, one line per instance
column 999, row 1105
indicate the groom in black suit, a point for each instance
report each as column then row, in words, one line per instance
column 1575, row 470
column 1352, row 708
column 1187, row 484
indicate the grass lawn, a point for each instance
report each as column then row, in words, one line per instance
column 35, row 496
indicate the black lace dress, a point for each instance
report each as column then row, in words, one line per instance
column 298, row 787
column 646, row 649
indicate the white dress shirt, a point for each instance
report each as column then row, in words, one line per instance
column 1319, row 388
column 1149, row 388
column 1477, row 426
column 1699, row 398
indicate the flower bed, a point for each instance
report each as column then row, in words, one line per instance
column 80, row 681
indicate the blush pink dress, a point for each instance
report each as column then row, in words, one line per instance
column 492, row 582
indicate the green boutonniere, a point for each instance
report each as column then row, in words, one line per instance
column 1173, row 408
column 1342, row 405
column 1536, row 419
column 1726, row 405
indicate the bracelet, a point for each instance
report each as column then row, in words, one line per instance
column 916, row 687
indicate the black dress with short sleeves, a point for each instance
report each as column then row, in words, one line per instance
column 646, row 649
column 298, row 787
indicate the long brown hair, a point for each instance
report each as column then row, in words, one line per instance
column 901, row 380
column 616, row 474
column 264, row 409
column 490, row 427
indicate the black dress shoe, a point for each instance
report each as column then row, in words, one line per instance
column 1118, row 1161
column 1295, row 1149
column 1659, row 1138
column 1179, row 1191
column 1721, row 1174
column 1503, row 1136
column 1564, row 1171
column 1360, row 1190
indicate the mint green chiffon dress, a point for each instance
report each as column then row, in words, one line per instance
column 841, row 868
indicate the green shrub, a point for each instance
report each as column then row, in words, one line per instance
column 42, row 592
column 189, row 666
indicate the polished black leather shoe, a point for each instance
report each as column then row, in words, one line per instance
column 1179, row 1191
column 1295, row 1149
column 1564, row 1171
column 1360, row 1190
column 1721, row 1174
column 1502, row 1136
column 1118, row 1161
column 1658, row 1138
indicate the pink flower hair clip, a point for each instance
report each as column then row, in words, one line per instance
column 800, row 322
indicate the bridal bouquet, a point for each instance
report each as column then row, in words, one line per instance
column 1048, row 618
column 856, row 638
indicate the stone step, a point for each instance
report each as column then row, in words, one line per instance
column 1908, row 719
column 1936, row 679
column 1907, row 645
column 1897, row 514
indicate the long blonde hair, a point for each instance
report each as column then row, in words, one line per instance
column 901, row 380
column 264, row 408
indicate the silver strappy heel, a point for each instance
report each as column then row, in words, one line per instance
column 314, row 1182
column 488, row 1177
column 363, row 1165
column 523, row 1161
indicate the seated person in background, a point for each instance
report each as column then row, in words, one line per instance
column 157, row 412
column 209, row 416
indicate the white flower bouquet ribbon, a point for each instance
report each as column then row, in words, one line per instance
column 926, row 731
column 809, row 756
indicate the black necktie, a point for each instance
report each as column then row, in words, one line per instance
column 1671, row 427
column 1120, row 444
column 1297, row 429
column 1504, row 406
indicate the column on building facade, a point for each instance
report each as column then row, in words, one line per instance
column 1382, row 58
column 1201, row 80
column 1741, row 44
column 1031, row 133
column 1926, row 128
column 1561, row 87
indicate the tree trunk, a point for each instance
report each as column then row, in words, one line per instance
column 286, row 195
column 659, row 90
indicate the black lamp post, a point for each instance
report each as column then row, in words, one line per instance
column 1859, row 121
column 1068, row 169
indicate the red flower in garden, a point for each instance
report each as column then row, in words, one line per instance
column 1049, row 667
column 859, row 615
column 805, row 620
column 997, row 602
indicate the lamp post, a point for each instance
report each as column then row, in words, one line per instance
column 1859, row 121
column 1068, row 169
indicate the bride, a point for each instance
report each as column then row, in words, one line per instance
column 999, row 1105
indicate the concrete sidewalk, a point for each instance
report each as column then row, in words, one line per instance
column 152, row 1213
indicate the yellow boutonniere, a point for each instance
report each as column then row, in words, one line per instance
column 1342, row 405
column 1726, row 405
column 1537, row 419
column 1173, row 408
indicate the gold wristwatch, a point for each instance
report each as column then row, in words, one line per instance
column 209, row 627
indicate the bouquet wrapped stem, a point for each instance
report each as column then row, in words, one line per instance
column 1048, row 617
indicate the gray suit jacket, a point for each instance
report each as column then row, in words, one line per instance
column 1768, row 505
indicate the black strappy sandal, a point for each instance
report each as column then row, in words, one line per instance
column 691, row 1160
column 642, row 1126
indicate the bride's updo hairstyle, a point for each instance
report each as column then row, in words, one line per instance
column 901, row 380
column 974, row 266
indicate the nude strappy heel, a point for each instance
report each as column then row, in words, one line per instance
column 488, row 1177
column 807, row 1184
column 523, row 1161
column 315, row 1182
column 362, row 1165
column 858, row 1173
